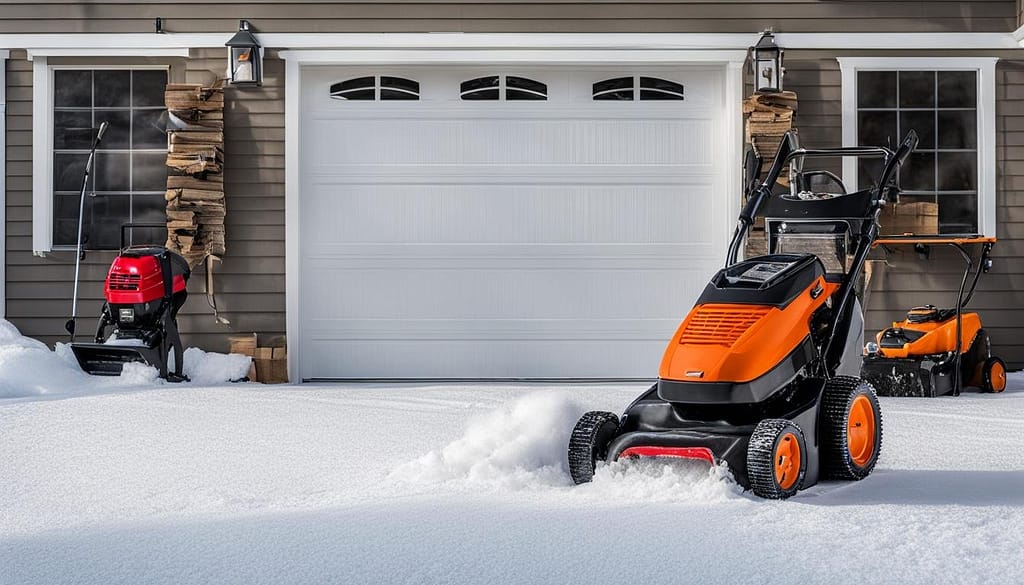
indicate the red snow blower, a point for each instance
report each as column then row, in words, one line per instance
column 144, row 289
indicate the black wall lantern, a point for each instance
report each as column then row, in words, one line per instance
column 245, row 57
column 766, row 57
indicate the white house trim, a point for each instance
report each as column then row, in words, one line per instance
column 42, row 147
column 985, row 66
column 292, row 84
column 498, row 56
column 135, row 43
column 3, row 185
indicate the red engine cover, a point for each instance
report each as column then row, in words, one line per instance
column 137, row 279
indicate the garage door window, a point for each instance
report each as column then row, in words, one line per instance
column 629, row 88
column 491, row 87
column 372, row 88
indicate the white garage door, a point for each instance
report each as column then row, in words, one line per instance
column 505, row 222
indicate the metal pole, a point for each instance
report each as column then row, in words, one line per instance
column 70, row 325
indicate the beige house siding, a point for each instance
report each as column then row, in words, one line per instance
column 249, row 282
column 504, row 16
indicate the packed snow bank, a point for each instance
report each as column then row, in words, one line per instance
column 29, row 368
column 522, row 446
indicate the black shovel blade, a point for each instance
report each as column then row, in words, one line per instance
column 69, row 326
column 100, row 359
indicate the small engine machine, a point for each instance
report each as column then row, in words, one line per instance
column 144, row 288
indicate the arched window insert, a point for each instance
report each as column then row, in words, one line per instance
column 629, row 88
column 491, row 88
column 367, row 88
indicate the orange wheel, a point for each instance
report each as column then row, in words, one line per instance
column 851, row 433
column 860, row 430
column 994, row 375
column 776, row 459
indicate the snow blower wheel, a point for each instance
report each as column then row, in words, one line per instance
column 589, row 442
column 994, row 375
column 852, row 433
column 776, row 463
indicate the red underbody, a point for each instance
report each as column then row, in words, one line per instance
column 681, row 452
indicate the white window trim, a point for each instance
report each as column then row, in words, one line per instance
column 42, row 146
column 4, row 55
column 986, row 70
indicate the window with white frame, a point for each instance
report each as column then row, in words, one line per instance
column 129, row 173
column 950, row 103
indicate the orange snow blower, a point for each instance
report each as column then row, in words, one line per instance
column 764, row 372
column 933, row 352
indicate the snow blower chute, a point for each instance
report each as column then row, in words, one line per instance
column 763, row 374
column 144, row 288
column 933, row 351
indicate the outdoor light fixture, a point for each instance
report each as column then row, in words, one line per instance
column 766, row 58
column 245, row 57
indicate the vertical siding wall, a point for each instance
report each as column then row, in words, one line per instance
column 250, row 281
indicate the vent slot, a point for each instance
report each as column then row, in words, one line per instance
column 127, row 282
column 719, row 325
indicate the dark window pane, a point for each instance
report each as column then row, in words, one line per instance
column 113, row 88
column 958, row 171
column 72, row 88
column 917, row 89
column 149, row 171
column 72, row 129
column 918, row 173
column 65, row 219
column 958, row 214
column 652, row 88
column 481, row 88
column 619, row 88
column 868, row 171
column 149, row 209
column 921, row 122
column 521, row 88
column 148, row 129
column 68, row 171
column 876, row 89
column 112, row 171
column 399, row 88
column 105, row 214
column 394, row 94
column 148, row 87
column 958, row 89
column 118, row 134
column 359, row 88
column 958, row 129
column 876, row 128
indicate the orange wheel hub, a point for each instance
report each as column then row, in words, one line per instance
column 997, row 377
column 860, row 431
column 787, row 461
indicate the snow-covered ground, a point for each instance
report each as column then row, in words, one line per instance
column 244, row 483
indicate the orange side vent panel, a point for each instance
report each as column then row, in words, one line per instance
column 720, row 324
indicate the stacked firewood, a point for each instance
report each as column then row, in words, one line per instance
column 769, row 117
column 195, row 162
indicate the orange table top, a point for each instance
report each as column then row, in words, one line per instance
column 934, row 239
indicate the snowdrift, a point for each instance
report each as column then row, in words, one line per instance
column 29, row 368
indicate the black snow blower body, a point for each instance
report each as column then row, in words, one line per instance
column 763, row 373
column 144, row 288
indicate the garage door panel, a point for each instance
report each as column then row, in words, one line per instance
column 451, row 239
column 511, row 294
column 508, row 141
column 486, row 358
column 493, row 214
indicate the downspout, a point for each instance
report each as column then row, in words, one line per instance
column 3, row 184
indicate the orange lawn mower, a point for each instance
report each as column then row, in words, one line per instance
column 934, row 352
column 764, row 372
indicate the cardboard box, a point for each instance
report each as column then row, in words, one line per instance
column 919, row 218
